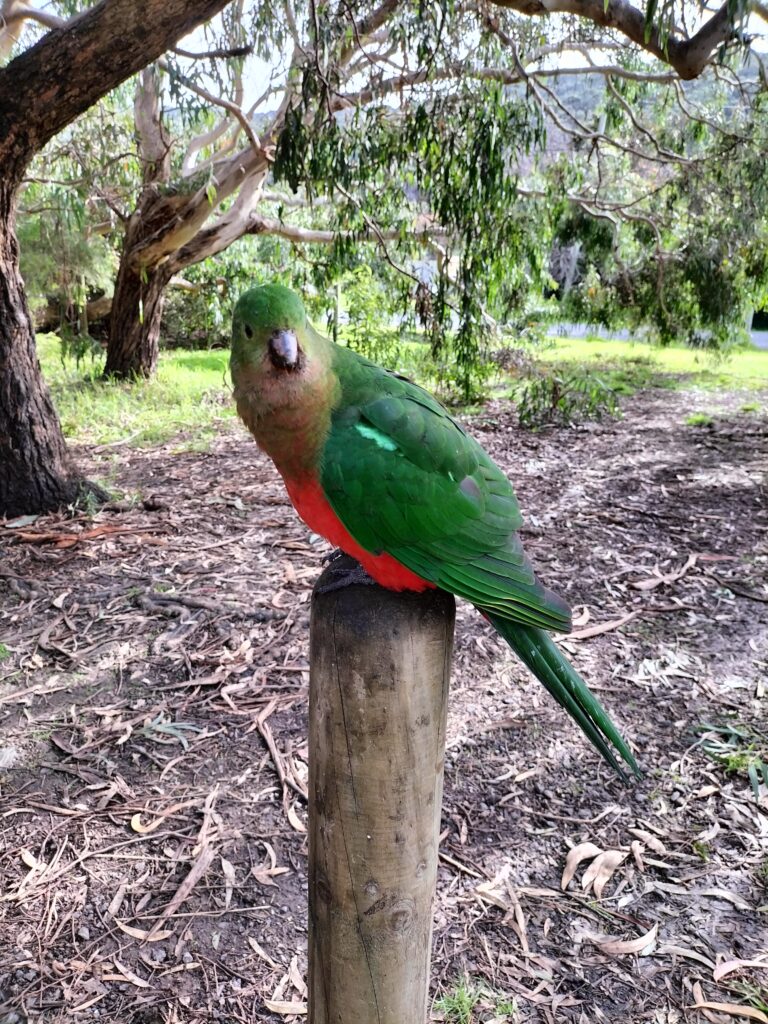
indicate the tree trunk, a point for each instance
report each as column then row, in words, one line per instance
column 37, row 473
column 137, row 309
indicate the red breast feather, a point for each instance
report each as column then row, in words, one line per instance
column 313, row 507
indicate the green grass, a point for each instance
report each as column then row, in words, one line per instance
column 628, row 365
column 755, row 997
column 739, row 749
column 457, row 1006
column 468, row 1003
column 189, row 396
column 699, row 419
column 4, row 652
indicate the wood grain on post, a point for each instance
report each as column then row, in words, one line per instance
column 380, row 664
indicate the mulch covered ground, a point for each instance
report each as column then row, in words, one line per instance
column 153, row 769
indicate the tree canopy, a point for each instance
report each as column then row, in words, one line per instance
column 426, row 131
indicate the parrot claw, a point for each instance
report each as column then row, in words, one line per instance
column 334, row 556
column 345, row 577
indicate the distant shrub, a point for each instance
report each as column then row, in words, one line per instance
column 559, row 400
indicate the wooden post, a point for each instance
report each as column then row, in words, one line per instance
column 380, row 664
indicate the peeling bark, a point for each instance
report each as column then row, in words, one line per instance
column 134, row 330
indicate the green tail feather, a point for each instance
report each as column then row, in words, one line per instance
column 537, row 649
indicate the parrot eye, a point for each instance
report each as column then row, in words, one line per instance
column 248, row 331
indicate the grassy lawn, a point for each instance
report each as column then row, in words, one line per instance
column 190, row 397
column 629, row 365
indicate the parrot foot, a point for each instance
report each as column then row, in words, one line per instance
column 345, row 577
column 334, row 556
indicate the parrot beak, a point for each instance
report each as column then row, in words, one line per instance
column 284, row 350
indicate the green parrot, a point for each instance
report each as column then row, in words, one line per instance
column 376, row 465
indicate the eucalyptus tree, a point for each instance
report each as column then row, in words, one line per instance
column 42, row 90
column 401, row 116
column 675, row 239
column 69, row 226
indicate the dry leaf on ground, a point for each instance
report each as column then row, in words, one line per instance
column 286, row 1009
column 621, row 947
column 601, row 870
column 583, row 851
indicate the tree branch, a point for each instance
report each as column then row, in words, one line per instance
column 288, row 199
column 688, row 56
column 48, row 85
column 218, row 101
column 154, row 144
column 13, row 12
column 258, row 225
column 366, row 26
column 230, row 226
column 188, row 163
column 233, row 51
column 507, row 76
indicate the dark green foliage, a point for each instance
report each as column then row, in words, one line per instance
column 678, row 246
column 595, row 235
column 198, row 315
column 79, row 345
column 367, row 305
column 196, row 319
column 62, row 261
column 447, row 157
column 689, row 260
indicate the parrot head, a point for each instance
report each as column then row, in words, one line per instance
column 269, row 327
column 280, row 366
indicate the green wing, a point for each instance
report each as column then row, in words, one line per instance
column 405, row 479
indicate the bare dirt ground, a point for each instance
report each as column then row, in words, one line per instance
column 153, row 745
